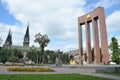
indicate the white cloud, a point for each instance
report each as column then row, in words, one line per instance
column 118, row 38
column 57, row 18
column 17, row 33
column 113, row 22
column 113, row 26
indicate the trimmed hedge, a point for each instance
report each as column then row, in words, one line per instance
column 32, row 69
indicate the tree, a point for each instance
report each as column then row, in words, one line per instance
column 92, row 52
column 13, row 59
column 0, row 40
column 52, row 56
column 34, row 56
column 17, row 53
column 115, row 50
column 4, row 55
column 10, row 55
column 65, row 58
column 43, row 41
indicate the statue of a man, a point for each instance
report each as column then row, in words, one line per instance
column 58, row 61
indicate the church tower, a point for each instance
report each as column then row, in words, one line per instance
column 26, row 37
column 8, row 41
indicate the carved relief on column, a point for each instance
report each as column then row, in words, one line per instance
column 88, row 44
column 96, row 42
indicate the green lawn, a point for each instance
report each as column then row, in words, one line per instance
column 49, row 77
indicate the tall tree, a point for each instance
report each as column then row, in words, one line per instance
column 43, row 41
column 115, row 50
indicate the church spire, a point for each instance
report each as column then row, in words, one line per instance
column 26, row 37
column 8, row 41
column 27, row 31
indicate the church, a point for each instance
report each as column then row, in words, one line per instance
column 26, row 41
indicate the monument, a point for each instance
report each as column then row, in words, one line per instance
column 96, row 16
column 58, row 61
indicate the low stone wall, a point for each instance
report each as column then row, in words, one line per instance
column 98, row 68
column 109, row 69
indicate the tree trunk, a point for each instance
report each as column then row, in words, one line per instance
column 42, row 51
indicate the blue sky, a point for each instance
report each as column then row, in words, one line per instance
column 56, row 18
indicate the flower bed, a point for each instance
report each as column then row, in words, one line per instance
column 13, row 65
column 32, row 69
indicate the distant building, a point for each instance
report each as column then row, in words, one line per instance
column 75, row 54
column 26, row 37
column 26, row 41
column 8, row 41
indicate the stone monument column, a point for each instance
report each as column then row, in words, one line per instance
column 80, row 44
column 103, row 35
column 88, row 43
column 96, row 42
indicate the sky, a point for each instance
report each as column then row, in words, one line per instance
column 56, row 18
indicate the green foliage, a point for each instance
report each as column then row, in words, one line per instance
column 52, row 55
column 0, row 40
column 65, row 58
column 37, row 56
column 5, row 55
column 115, row 50
column 92, row 52
column 49, row 57
column 71, row 56
column 0, row 48
column 34, row 56
column 49, row 77
column 17, row 53
column 13, row 59
column 43, row 41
